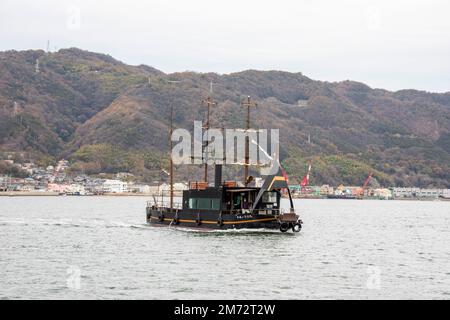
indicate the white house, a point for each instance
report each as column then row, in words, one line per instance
column 114, row 186
column 416, row 192
column 405, row 192
column 180, row 186
column 429, row 193
column 139, row 188
column 76, row 189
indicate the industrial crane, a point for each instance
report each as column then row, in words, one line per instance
column 366, row 183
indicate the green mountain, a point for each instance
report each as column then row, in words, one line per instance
column 107, row 116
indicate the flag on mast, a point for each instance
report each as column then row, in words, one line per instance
column 305, row 180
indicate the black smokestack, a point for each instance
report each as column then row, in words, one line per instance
column 217, row 175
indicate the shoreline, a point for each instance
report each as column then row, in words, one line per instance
column 56, row 194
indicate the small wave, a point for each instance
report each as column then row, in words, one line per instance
column 141, row 226
column 65, row 225
column 242, row 231
column 125, row 225
column 95, row 223
column 98, row 223
column 114, row 224
column 248, row 230
column 14, row 223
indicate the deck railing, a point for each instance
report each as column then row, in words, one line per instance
column 165, row 205
column 256, row 211
column 202, row 185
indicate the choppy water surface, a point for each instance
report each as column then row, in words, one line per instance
column 88, row 247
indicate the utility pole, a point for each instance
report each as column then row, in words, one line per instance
column 37, row 65
column 15, row 109
column 247, row 103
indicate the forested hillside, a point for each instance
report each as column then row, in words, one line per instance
column 106, row 116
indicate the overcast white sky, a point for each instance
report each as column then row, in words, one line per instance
column 384, row 43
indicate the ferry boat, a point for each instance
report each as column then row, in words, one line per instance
column 227, row 204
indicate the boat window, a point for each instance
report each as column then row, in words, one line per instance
column 204, row 203
column 192, row 203
column 237, row 202
column 269, row 197
column 215, row 204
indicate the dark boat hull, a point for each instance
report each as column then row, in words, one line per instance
column 217, row 221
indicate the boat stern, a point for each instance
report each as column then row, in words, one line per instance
column 290, row 220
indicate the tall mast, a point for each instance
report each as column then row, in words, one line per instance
column 209, row 102
column 171, row 146
column 170, row 156
column 247, row 103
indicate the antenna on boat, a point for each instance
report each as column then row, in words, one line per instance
column 247, row 103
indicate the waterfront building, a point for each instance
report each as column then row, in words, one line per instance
column 418, row 193
column 405, row 192
column 382, row 193
column 428, row 193
column 326, row 190
column 76, row 189
column 58, row 188
column 139, row 188
column 445, row 193
column 114, row 186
